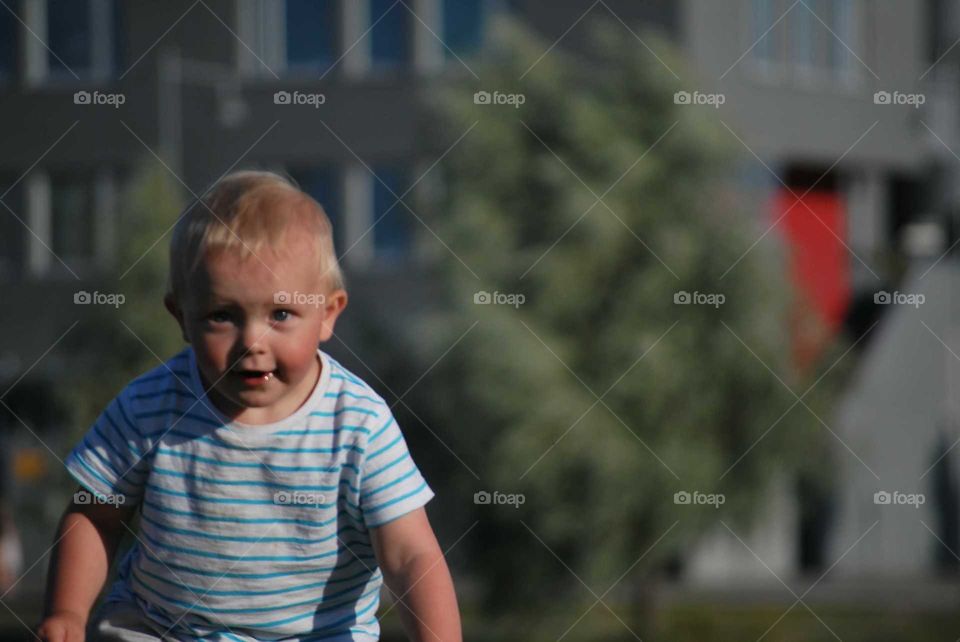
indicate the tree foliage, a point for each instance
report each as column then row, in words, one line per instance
column 599, row 397
column 119, row 343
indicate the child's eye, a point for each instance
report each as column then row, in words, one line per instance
column 218, row 317
column 281, row 315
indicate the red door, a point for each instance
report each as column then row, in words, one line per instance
column 815, row 230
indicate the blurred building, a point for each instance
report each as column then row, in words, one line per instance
column 332, row 92
column 851, row 109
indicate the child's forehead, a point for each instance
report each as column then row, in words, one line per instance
column 256, row 273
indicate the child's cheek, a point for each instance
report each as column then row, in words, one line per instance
column 215, row 349
column 298, row 357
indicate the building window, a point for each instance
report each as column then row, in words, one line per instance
column 761, row 18
column 311, row 34
column 939, row 16
column 72, row 218
column 392, row 232
column 390, row 37
column 118, row 36
column 806, row 30
column 8, row 44
column 323, row 184
column 801, row 42
column 814, row 47
column 841, row 60
column 463, row 26
column 69, row 36
column 12, row 232
column 82, row 37
column 301, row 37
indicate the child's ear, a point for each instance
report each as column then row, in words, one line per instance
column 333, row 305
column 174, row 309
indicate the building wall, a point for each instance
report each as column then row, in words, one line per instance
column 784, row 111
column 783, row 115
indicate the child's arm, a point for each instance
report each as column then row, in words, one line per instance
column 415, row 570
column 86, row 543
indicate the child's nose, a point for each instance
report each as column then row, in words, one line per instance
column 253, row 337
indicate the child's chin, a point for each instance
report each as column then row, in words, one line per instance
column 247, row 398
column 254, row 398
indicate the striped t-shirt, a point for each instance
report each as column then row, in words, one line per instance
column 251, row 532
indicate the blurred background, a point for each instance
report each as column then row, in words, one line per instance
column 661, row 292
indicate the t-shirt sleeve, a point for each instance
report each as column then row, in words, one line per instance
column 111, row 459
column 391, row 485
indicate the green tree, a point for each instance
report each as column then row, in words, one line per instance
column 118, row 344
column 685, row 388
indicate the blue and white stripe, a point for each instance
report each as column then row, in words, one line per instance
column 252, row 532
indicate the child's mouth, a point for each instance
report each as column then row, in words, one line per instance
column 253, row 378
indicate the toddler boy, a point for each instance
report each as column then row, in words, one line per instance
column 274, row 488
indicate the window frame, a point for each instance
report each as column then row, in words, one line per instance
column 103, row 43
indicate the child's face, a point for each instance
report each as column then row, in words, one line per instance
column 256, row 348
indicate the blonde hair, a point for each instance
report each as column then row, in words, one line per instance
column 243, row 212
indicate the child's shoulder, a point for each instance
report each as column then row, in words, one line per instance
column 172, row 374
column 351, row 387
